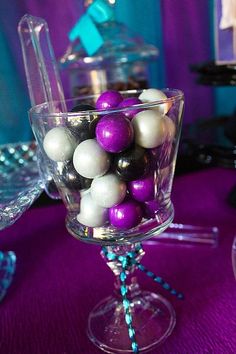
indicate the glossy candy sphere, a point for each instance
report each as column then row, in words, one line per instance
column 108, row 99
column 90, row 160
column 72, row 180
column 132, row 164
column 59, row 144
column 83, row 108
column 92, row 126
column 81, row 131
column 108, row 190
column 114, row 132
column 80, row 126
column 127, row 102
column 152, row 95
column 91, row 214
column 126, row 215
column 149, row 129
column 142, row 189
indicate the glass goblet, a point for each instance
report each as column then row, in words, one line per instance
column 114, row 170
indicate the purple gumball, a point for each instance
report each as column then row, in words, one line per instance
column 126, row 215
column 127, row 102
column 114, row 132
column 142, row 190
column 108, row 99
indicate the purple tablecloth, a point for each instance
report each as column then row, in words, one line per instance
column 59, row 279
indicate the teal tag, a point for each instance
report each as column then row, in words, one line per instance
column 100, row 11
column 85, row 28
column 88, row 33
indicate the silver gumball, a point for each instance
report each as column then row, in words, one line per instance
column 108, row 190
column 90, row 160
column 59, row 144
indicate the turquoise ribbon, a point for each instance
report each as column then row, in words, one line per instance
column 86, row 27
column 126, row 261
column 7, row 270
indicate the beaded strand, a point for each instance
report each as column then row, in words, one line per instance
column 127, row 261
column 127, row 310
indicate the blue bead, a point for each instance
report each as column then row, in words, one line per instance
column 126, row 304
column 166, row 286
column 123, row 290
column 158, row 279
column 150, row 274
column 123, row 276
column 131, row 254
column 128, row 319
column 135, row 347
column 131, row 332
column 141, row 267
column 124, row 263
column 121, row 258
column 111, row 256
column 12, row 256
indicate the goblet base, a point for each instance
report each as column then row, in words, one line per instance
column 153, row 319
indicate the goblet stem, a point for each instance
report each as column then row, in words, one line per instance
column 120, row 260
column 134, row 320
column 119, row 256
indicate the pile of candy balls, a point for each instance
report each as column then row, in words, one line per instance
column 111, row 160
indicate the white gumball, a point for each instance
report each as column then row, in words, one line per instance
column 90, row 160
column 91, row 214
column 170, row 128
column 152, row 95
column 108, row 190
column 59, row 144
column 149, row 129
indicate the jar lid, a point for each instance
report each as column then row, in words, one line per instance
column 119, row 47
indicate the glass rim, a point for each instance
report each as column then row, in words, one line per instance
column 177, row 96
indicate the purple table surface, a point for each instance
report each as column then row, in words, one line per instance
column 59, row 279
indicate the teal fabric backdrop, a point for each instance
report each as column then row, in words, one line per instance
column 224, row 97
column 144, row 18
column 14, row 102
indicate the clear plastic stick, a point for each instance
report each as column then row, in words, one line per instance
column 41, row 69
column 187, row 234
column 43, row 80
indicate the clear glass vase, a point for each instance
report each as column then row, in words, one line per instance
column 114, row 169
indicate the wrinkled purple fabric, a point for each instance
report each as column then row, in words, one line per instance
column 59, row 279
